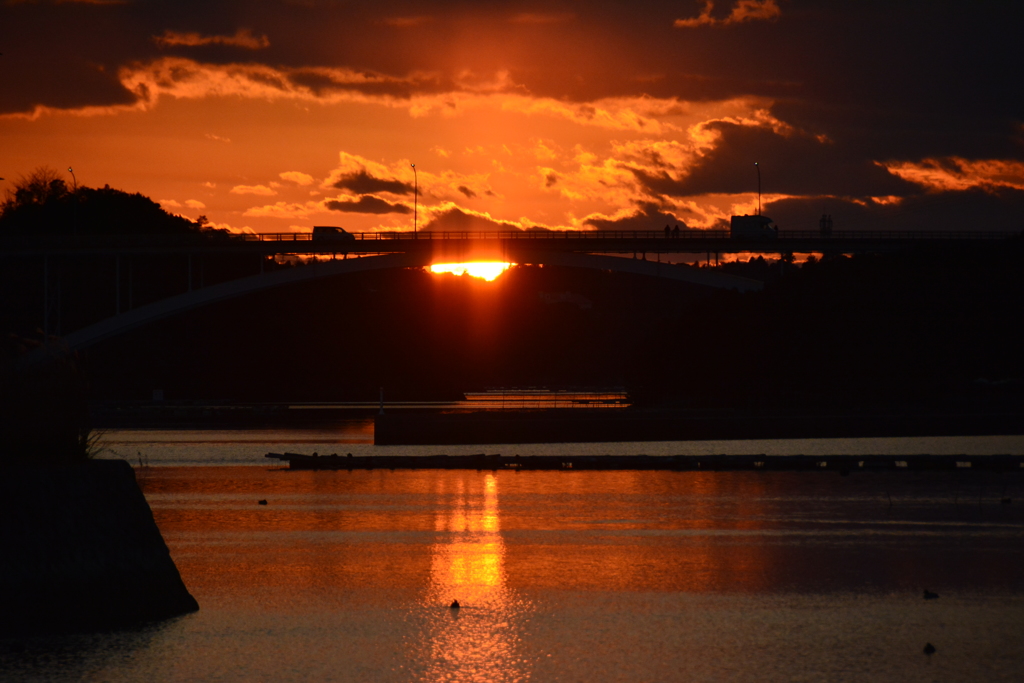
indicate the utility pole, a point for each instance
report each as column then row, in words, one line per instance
column 415, row 199
column 758, row 167
column 74, row 222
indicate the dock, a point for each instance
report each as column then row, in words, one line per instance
column 482, row 461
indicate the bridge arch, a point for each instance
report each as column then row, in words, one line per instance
column 119, row 324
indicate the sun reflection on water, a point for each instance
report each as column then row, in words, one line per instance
column 479, row 641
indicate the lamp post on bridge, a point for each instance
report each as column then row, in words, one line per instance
column 758, row 167
column 415, row 199
column 74, row 220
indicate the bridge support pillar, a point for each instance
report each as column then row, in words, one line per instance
column 51, row 298
column 46, row 297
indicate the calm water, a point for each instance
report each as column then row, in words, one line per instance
column 565, row 576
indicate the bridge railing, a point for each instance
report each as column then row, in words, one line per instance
column 336, row 243
column 527, row 235
column 482, row 235
column 898, row 235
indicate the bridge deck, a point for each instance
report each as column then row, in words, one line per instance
column 515, row 245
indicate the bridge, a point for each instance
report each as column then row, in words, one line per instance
column 462, row 246
column 330, row 255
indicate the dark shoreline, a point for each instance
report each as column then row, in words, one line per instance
column 82, row 552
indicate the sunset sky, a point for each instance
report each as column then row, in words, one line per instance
column 276, row 116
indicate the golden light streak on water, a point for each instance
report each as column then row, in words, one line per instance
column 480, row 641
column 488, row 270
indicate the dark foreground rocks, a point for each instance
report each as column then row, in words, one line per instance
column 79, row 551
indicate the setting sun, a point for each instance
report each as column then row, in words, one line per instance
column 488, row 270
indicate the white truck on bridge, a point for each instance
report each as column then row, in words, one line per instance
column 753, row 227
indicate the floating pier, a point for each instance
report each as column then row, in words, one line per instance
column 580, row 425
column 840, row 463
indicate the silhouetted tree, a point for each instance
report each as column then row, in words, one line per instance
column 44, row 186
column 42, row 204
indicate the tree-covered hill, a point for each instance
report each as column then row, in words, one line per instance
column 43, row 204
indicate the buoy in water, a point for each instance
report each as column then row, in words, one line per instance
column 929, row 648
column 455, row 604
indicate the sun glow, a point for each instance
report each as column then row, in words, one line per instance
column 488, row 270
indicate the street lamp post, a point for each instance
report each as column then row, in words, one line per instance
column 758, row 167
column 74, row 219
column 415, row 199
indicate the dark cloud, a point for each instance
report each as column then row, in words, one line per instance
column 324, row 83
column 78, row 85
column 366, row 204
column 973, row 210
column 741, row 11
column 882, row 81
column 458, row 220
column 648, row 216
column 364, row 183
column 242, row 38
column 945, row 61
column 790, row 164
column 466, row 191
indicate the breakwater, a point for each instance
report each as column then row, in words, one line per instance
column 569, row 426
column 482, row 461
column 80, row 551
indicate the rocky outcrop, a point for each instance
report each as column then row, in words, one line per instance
column 79, row 551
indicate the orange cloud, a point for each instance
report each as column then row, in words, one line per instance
column 420, row 93
column 261, row 190
column 955, row 173
column 754, row 10
column 742, row 11
column 284, row 210
column 243, row 38
column 297, row 177
column 187, row 79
